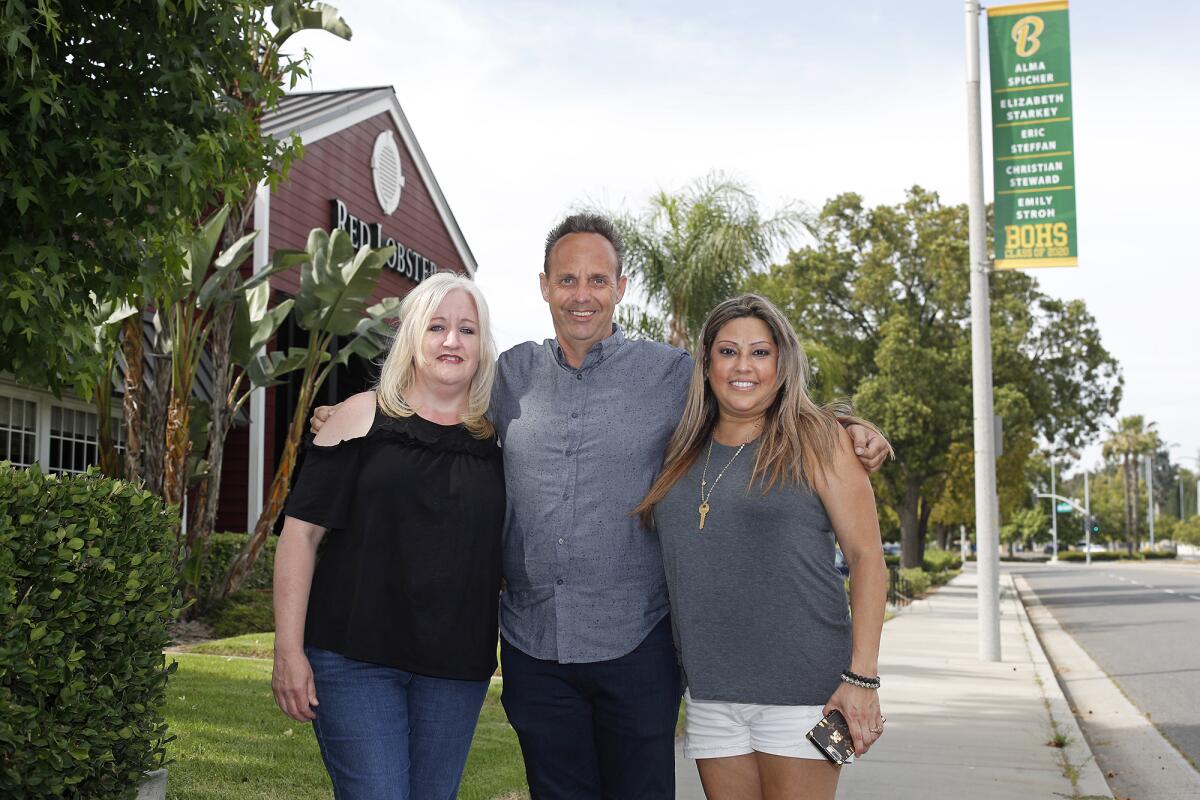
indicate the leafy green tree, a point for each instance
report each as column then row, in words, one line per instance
column 1188, row 531
column 1026, row 526
column 1130, row 440
column 887, row 289
column 118, row 132
column 691, row 250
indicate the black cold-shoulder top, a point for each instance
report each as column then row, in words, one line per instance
column 408, row 574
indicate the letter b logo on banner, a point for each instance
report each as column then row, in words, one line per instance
column 1025, row 33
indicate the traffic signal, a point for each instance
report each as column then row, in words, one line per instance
column 1094, row 524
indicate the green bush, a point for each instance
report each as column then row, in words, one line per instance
column 1103, row 555
column 943, row 577
column 937, row 560
column 1158, row 554
column 918, row 579
column 87, row 591
column 219, row 554
column 246, row 611
column 891, row 560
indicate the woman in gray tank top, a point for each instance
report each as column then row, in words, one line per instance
column 757, row 485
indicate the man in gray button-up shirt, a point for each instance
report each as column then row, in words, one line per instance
column 582, row 444
column 590, row 680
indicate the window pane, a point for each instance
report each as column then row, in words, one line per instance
column 18, row 438
column 73, row 440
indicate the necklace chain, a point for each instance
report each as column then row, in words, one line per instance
column 704, row 506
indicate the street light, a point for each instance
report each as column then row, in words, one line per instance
column 1189, row 458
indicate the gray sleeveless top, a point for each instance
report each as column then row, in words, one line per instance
column 759, row 611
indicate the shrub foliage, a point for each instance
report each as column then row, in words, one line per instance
column 87, row 590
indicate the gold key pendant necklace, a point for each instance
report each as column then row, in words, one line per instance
column 704, row 506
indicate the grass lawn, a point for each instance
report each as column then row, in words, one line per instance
column 234, row 744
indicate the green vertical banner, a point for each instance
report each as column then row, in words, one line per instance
column 1033, row 140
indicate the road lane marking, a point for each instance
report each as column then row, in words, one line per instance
column 1169, row 591
column 1194, row 597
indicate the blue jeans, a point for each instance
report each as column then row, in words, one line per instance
column 388, row 734
column 596, row 730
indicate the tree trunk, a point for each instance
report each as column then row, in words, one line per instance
column 911, row 552
column 924, row 510
column 176, row 445
column 106, row 447
column 1131, row 499
column 131, row 404
column 943, row 536
column 239, row 570
column 154, row 439
column 208, row 493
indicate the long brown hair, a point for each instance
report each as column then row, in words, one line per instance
column 798, row 436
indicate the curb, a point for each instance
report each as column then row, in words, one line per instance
column 1142, row 761
column 1077, row 755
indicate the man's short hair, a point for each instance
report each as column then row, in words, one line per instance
column 586, row 223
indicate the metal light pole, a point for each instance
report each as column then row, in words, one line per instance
column 987, row 505
column 1053, row 512
column 1150, row 497
column 1087, row 517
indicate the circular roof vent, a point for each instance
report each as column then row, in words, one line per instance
column 385, row 168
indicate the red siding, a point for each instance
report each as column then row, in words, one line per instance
column 235, row 476
column 339, row 166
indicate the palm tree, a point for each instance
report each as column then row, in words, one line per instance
column 1129, row 440
column 691, row 250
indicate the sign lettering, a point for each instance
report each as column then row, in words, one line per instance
column 1033, row 137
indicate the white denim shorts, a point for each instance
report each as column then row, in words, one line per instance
column 719, row 730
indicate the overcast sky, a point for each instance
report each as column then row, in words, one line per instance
column 527, row 109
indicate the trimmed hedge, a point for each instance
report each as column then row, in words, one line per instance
column 1158, row 554
column 918, row 579
column 246, row 611
column 87, row 591
column 935, row 560
column 219, row 554
column 1103, row 555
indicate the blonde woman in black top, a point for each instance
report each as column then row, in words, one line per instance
column 386, row 641
column 757, row 484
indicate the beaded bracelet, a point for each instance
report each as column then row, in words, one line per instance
column 860, row 680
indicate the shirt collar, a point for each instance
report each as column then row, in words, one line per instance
column 596, row 353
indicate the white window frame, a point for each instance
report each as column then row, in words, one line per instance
column 44, row 402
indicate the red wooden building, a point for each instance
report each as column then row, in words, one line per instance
column 363, row 171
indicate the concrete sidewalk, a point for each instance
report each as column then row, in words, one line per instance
column 958, row 727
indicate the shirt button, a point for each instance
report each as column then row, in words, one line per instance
column 574, row 415
column 578, row 376
column 562, row 541
column 566, row 495
column 559, row 581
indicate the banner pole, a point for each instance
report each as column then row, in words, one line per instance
column 987, row 510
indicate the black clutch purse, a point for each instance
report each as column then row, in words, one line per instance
column 832, row 737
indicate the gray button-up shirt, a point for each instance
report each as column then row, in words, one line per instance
column 581, row 448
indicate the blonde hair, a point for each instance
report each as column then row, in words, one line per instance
column 399, row 367
column 798, row 436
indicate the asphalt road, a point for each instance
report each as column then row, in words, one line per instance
column 1141, row 624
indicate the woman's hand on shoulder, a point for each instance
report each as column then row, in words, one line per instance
column 352, row 420
column 871, row 448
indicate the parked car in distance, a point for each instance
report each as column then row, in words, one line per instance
column 891, row 549
column 839, row 563
column 1083, row 547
